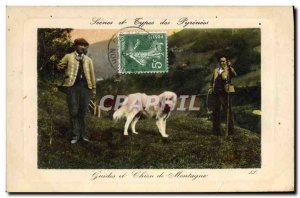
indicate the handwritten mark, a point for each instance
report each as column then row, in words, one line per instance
column 252, row 172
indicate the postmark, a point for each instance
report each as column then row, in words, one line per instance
column 143, row 52
column 113, row 45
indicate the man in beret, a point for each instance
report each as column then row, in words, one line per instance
column 220, row 90
column 81, row 85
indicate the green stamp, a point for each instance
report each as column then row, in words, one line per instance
column 143, row 52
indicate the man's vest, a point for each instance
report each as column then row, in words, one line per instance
column 221, row 77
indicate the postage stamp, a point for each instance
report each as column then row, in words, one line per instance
column 143, row 52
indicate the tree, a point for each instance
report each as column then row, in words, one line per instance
column 53, row 44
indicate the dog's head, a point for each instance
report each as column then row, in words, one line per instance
column 167, row 101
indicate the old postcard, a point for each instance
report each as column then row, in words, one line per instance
column 150, row 99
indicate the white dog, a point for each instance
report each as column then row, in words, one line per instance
column 155, row 106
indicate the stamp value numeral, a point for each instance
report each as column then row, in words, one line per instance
column 156, row 64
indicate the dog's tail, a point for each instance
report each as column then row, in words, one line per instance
column 120, row 113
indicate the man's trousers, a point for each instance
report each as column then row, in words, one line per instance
column 78, row 98
column 220, row 99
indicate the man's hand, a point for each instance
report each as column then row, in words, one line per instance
column 210, row 90
column 229, row 63
column 226, row 68
column 60, row 67
column 94, row 94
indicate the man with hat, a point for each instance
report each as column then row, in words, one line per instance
column 81, row 85
column 220, row 87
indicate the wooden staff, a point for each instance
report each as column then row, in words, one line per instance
column 228, row 100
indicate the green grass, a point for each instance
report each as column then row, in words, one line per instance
column 248, row 80
column 246, row 118
column 190, row 143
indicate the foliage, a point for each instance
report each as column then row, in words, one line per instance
column 245, row 117
column 208, row 39
column 238, row 44
column 181, row 81
column 53, row 44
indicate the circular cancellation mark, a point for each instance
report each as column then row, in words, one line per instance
column 113, row 45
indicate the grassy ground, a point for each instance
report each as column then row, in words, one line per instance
column 190, row 143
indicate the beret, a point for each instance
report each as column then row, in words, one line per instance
column 81, row 41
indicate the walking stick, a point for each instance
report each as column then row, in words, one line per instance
column 227, row 129
column 228, row 102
